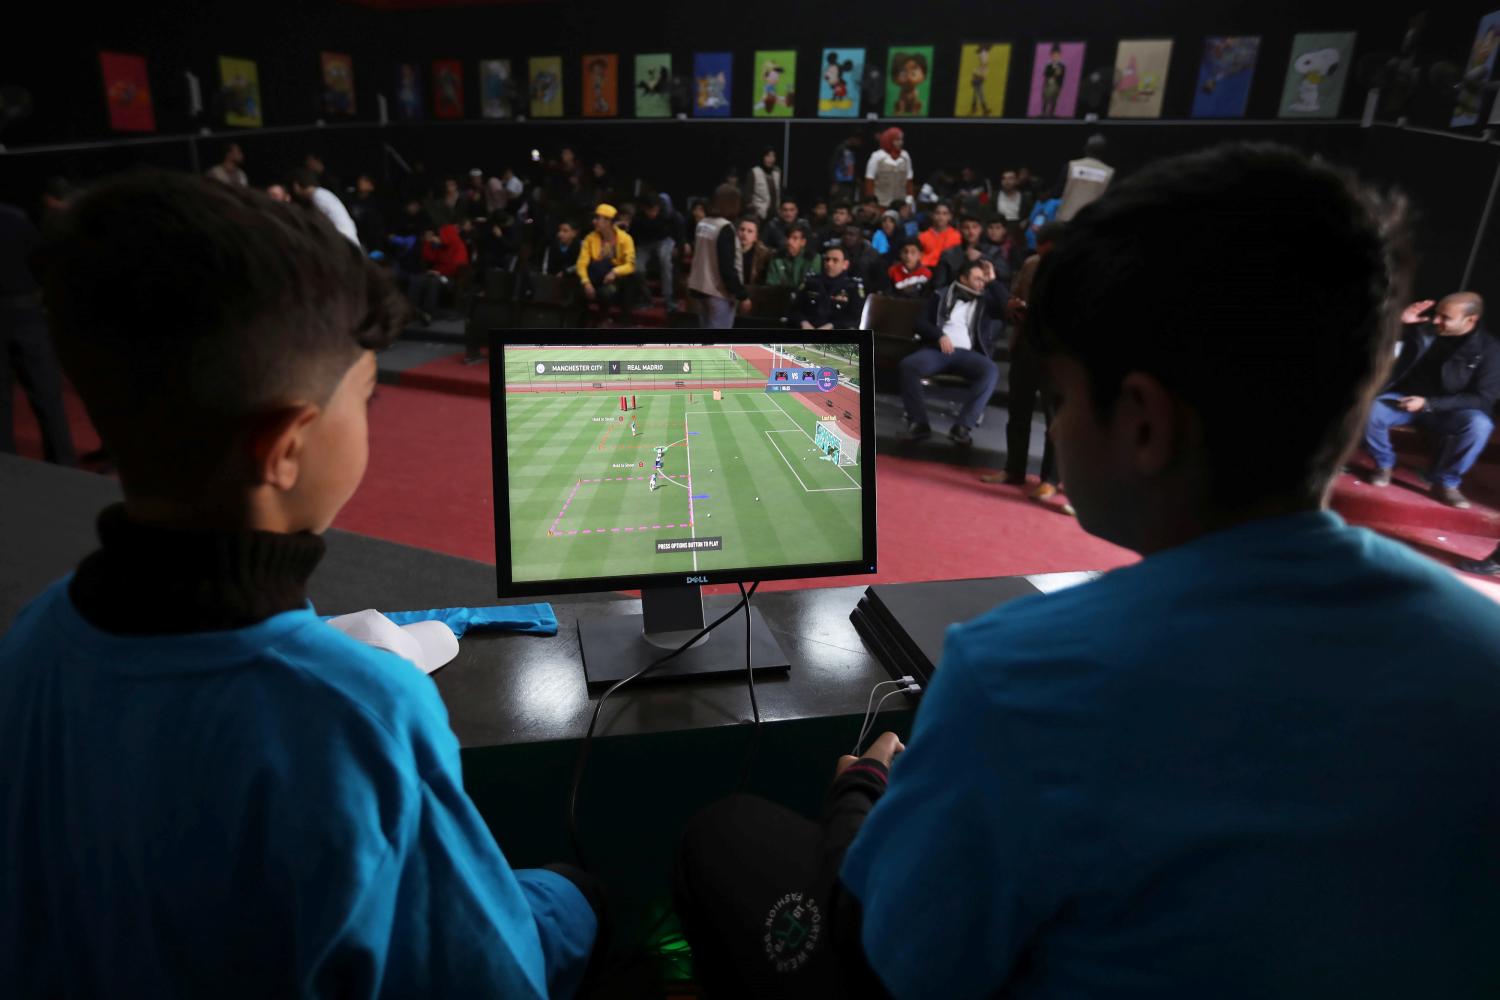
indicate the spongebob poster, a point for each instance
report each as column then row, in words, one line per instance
column 127, row 92
column 1315, row 76
column 908, row 83
column 338, row 84
column 1140, row 78
column 838, row 91
column 239, row 87
column 653, row 85
column 982, row 71
column 775, row 84
column 1477, row 71
column 711, row 90
column 546, row 86
column 1224, row 78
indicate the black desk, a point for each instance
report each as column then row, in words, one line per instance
column 519, row 704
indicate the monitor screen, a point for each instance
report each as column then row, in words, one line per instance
column 622, row 463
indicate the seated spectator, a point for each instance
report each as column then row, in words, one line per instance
column 889, row 236
column 867, row 214
column 327, row 179
column 444, row 208
column 910, row 278
column 305, row 191
column 1194, row 776
column 1013, row 202
column 1001, row 246
column 755, row 255
column 222, row 795
column 972, row 192
column 231, row 169
column 864, row 263
column 369, row 220
column 818, row 220
column 625, row 217
column 1447, row 381
column 910, row 224
column 444, row 252
column 775, row 231
column 795, row 262
column 955, row 340
column 511, row 183
column 829, row 301
column 659, row 231
column 608, row 255
column 969, row 247
column 277, row 192
column 498, row 240
column 561, row 255
column 838, row 221
column 939, row 236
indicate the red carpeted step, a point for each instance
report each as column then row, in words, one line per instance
column 449, row 375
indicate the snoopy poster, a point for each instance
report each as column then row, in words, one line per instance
column 653, row 85
column 1315, row 77
column 1140, row 78
column 775, row 84
column 908, row 82
column 983, row 69
column 838, row 92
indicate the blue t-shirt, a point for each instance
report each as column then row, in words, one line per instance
column 1262, row 764
column 272, row 811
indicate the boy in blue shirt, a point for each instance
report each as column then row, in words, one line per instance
column 1262, row 762
column 206, row 790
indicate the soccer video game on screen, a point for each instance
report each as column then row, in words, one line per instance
column 625, row 461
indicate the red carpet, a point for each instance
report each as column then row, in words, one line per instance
column 428, row 486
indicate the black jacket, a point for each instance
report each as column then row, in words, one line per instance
column 991, row 304
column 1470, row 377
column 822, row 299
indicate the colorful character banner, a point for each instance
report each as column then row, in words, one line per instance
column 1224, row 78
column 601, row 86
column 239, row 84
column 983, row 69
column 653, row 85
column 447, row 88
column 409, row 98
column 1056, row 71
column 338, row 83
column 711, row 84
column 1477, row 71
column 1315, row 75
column 775, row 84
column 546, row 86
column 838, row 91
column 127, row 92
column 497, row 89
column 1140, row 78
column 908, row 82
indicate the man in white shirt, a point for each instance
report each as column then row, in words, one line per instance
column 955, row 328
column 230, row 170
column 305, row 190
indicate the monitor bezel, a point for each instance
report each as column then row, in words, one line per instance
column 499, row 339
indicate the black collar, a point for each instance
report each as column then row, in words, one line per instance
column 148, row 580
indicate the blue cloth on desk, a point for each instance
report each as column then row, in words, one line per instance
column 528, row 619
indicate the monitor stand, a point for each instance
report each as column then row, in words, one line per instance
column 620, row 645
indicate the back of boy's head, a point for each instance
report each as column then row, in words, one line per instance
column 1254, row 283
column 187, row 312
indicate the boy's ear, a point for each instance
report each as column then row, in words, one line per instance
column 1156, row 426
column 277, row 445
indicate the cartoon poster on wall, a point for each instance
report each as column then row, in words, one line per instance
column 711, row 84
column 546, row 86
column 1056, row 71
column 1224, row 78
column 447, row 88
column 409, row 99
column 908, row 82
column 1315, row 77
column 497, row 89
column 1477, row 71
column 775, row 84
column 839, row 89
column 239, row 85
column 127, row 92
column 1140, row 78
column 338, row 83
column 601, row 86
column 983, row 69
column 653, row 85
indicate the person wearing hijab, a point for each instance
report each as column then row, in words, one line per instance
column 889, row 174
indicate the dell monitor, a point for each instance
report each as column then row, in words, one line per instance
column 625, row 463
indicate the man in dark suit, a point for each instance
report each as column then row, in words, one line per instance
column 1447, row 380
column 955, row 339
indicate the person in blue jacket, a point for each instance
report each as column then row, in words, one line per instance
column 1259, row 762
column 205, row 790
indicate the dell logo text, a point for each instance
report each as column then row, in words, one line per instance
column 697, row 579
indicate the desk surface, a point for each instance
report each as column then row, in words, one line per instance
column 501, row 689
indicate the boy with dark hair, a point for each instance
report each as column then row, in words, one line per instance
column 939, row 237
column 209, row 791
column 1259, row 762
column 561, row 255
column 795, row 261
column 910, row 278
